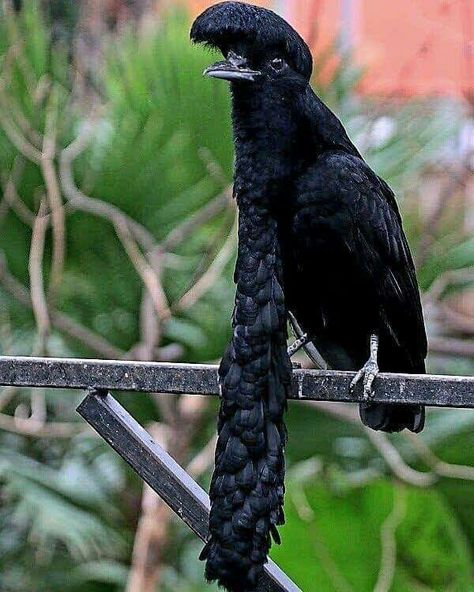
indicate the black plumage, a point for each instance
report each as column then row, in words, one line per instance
column 319, row 234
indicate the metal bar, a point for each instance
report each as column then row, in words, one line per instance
column 200, row 379
column 162, row 473
column 83, row 374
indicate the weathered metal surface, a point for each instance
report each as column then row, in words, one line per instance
column 155, row 466
column 440, row 391
column 319, row 385
column 109, row 375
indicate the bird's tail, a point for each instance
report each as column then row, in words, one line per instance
column 247, row 486
column 392, row 417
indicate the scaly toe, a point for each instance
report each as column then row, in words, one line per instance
column 368, row 390
column 357, row 378
column 367, row 374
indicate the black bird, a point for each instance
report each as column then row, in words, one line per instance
column 320, row 235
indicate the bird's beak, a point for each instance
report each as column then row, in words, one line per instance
column 226, row 70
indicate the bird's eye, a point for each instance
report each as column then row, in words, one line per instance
column 277, row 64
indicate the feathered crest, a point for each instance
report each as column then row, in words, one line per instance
column 227, row 23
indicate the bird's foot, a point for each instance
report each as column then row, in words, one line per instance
column 367, row 374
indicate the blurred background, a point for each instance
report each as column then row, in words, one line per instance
column 117, row 240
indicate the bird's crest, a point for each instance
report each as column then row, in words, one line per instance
column 227, row 23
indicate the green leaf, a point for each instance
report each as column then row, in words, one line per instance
column 333, row 542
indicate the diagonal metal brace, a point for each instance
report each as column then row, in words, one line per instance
column 302, row 340
column 162, row 473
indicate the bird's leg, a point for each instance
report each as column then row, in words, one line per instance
column 369, row 370
column 297, row 344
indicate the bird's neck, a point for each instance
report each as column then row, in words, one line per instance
column 266, row 136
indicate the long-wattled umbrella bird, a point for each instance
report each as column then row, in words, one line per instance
column 320, row 237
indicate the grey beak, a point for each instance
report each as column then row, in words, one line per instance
column 226, row 70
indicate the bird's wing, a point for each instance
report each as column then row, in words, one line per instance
column 376, row 239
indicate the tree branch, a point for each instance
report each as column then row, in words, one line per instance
column 18, row 140
column 451, row 346
column 80, row 201
column 438, row 466
column 53, row 193
column 380, row 441
column 207, row 280
column 35, row 267
column 396, row 463
column 206, row 213
column 148, row 276
column 11, row 196
column 37, row 429
column 152, row 532
column 388, row 541
column 58, row 320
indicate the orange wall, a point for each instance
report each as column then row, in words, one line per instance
column 416, row 47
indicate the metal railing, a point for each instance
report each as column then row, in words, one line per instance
column 153, row 464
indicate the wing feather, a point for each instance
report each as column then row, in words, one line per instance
column 374, row 234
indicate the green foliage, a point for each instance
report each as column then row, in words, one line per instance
column 159, row 157
column 156, row 154
column 446, row 257
column 34, row 82
column 333, row 541
column 62, row 516
column 433, row 550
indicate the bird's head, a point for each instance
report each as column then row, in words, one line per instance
column 257, row 44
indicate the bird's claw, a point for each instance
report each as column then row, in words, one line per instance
column 367, row 374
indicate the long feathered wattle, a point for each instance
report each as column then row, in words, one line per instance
column 247, row 487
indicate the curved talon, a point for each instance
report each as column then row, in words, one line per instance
column 356, row 380
column 367, row 374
